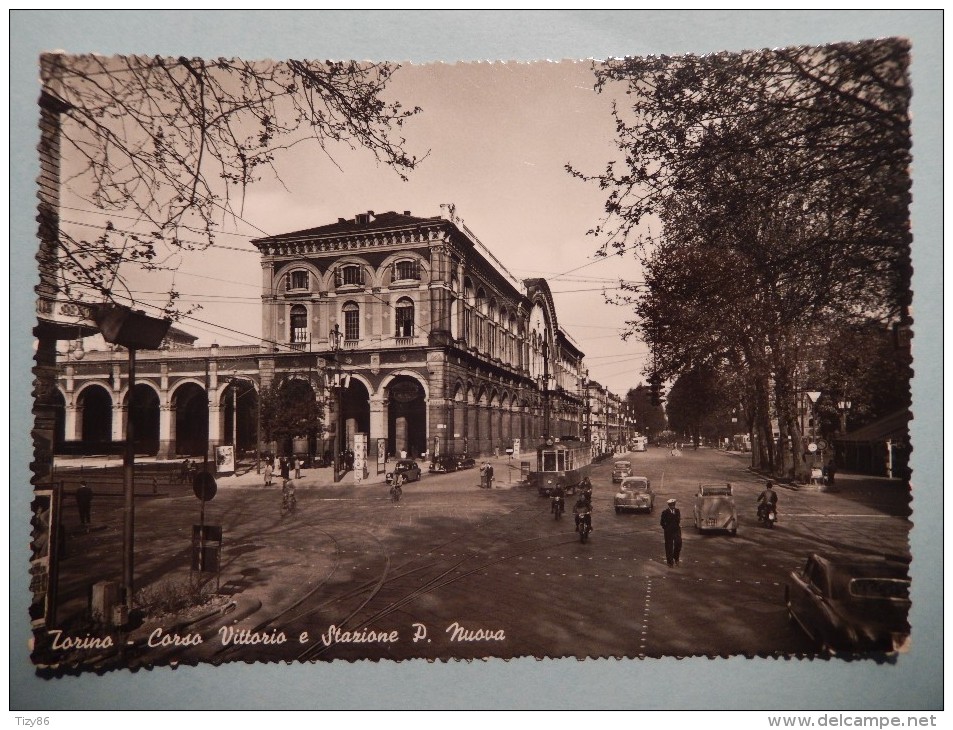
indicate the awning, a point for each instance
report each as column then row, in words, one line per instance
column 893, row 427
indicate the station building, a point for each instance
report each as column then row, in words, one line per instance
column 405, row 328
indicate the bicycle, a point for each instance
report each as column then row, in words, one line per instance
column 289, row 502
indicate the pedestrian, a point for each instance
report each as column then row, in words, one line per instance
column 268, row 472
column 672, row 528
column 297, row 463
column 489, row 476
column 285, row 470
column 831, row 471
column 184, row 473
column 483, row 475
column 84, row 500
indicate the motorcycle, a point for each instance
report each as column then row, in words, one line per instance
column 559, row 506
column 767, row 514
column 583, row 525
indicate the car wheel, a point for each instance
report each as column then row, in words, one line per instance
column 618, row 510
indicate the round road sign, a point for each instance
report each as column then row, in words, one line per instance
column 812, row 448
column 822, row 444
column 204, row 486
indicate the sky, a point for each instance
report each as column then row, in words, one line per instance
column 496, row 139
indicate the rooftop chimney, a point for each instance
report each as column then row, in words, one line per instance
column 406, row 212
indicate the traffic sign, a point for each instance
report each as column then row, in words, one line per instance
column 822, row 444
column 812, row 447
column 204, row 486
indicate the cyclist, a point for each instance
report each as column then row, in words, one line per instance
column 288, row 500
column 397, row 482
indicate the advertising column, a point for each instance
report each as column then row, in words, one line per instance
column 360, row 457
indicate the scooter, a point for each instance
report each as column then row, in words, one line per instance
column 558, row 506
column 767, row 514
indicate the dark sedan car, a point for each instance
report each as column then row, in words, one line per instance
column 466, row 462
column 851, row 604
column 444, row 464
column 408, row 467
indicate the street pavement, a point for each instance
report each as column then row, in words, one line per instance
column 451, row 552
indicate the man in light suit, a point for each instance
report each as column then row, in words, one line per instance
column 672, row 528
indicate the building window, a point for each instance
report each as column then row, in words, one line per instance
column 352, row 321
column 349, row 275
column 404, row 317
column 297, row 280
column 407, row 270
column 299, row 323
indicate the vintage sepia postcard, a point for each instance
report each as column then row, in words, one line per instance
column 366, row 360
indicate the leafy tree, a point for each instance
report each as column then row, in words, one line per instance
column 776, row 183
column 290, row 409
column 649, row 419
column 700, row 405
column 168, row 146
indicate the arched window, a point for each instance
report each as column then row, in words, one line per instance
column 404, row 317
column 468, row 312
column 297, row 280
column 349, row 275
column 406, row 270
column 352, row 321
column 299, row 323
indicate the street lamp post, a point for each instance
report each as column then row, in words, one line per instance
column 133, row 330
column 335, row 338
column 843, row 406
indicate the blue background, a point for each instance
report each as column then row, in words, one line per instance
column 914, row 683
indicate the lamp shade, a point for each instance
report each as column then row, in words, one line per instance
column 130, row 328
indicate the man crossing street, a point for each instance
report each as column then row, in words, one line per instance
column 672, row 528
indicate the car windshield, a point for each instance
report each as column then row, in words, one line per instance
column 622, row 465
column 716, row 491
column 636, row 486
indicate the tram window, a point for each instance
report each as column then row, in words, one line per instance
column 562, row 460
column 549, row 461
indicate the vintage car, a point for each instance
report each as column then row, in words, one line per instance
column 465, row 462
column 444, row 464
column 714, row 509
column 408, row 467
column 621, row 470
column 635, row 493
column 851, row 604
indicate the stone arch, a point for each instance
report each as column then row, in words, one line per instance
column 94, row 411
column 406, row 398
column 314, row 274
column 144, row 408
column 241, row 432
column 384, row 273
column 189, row 422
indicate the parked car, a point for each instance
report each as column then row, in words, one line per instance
column 851, row 604
column 635, row 493
column 714, row 509
column 466, row 462
column 444, row 464
column 408, row 467
column 621, row 470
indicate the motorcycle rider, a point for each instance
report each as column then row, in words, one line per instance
column 583, row 512
column 767, row 500
column 587, row 490
column 559, row 494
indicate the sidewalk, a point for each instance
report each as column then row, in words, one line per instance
column 506, row 474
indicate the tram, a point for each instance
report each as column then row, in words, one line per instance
column 564, row 464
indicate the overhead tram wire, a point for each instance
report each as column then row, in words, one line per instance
column 140, row 219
